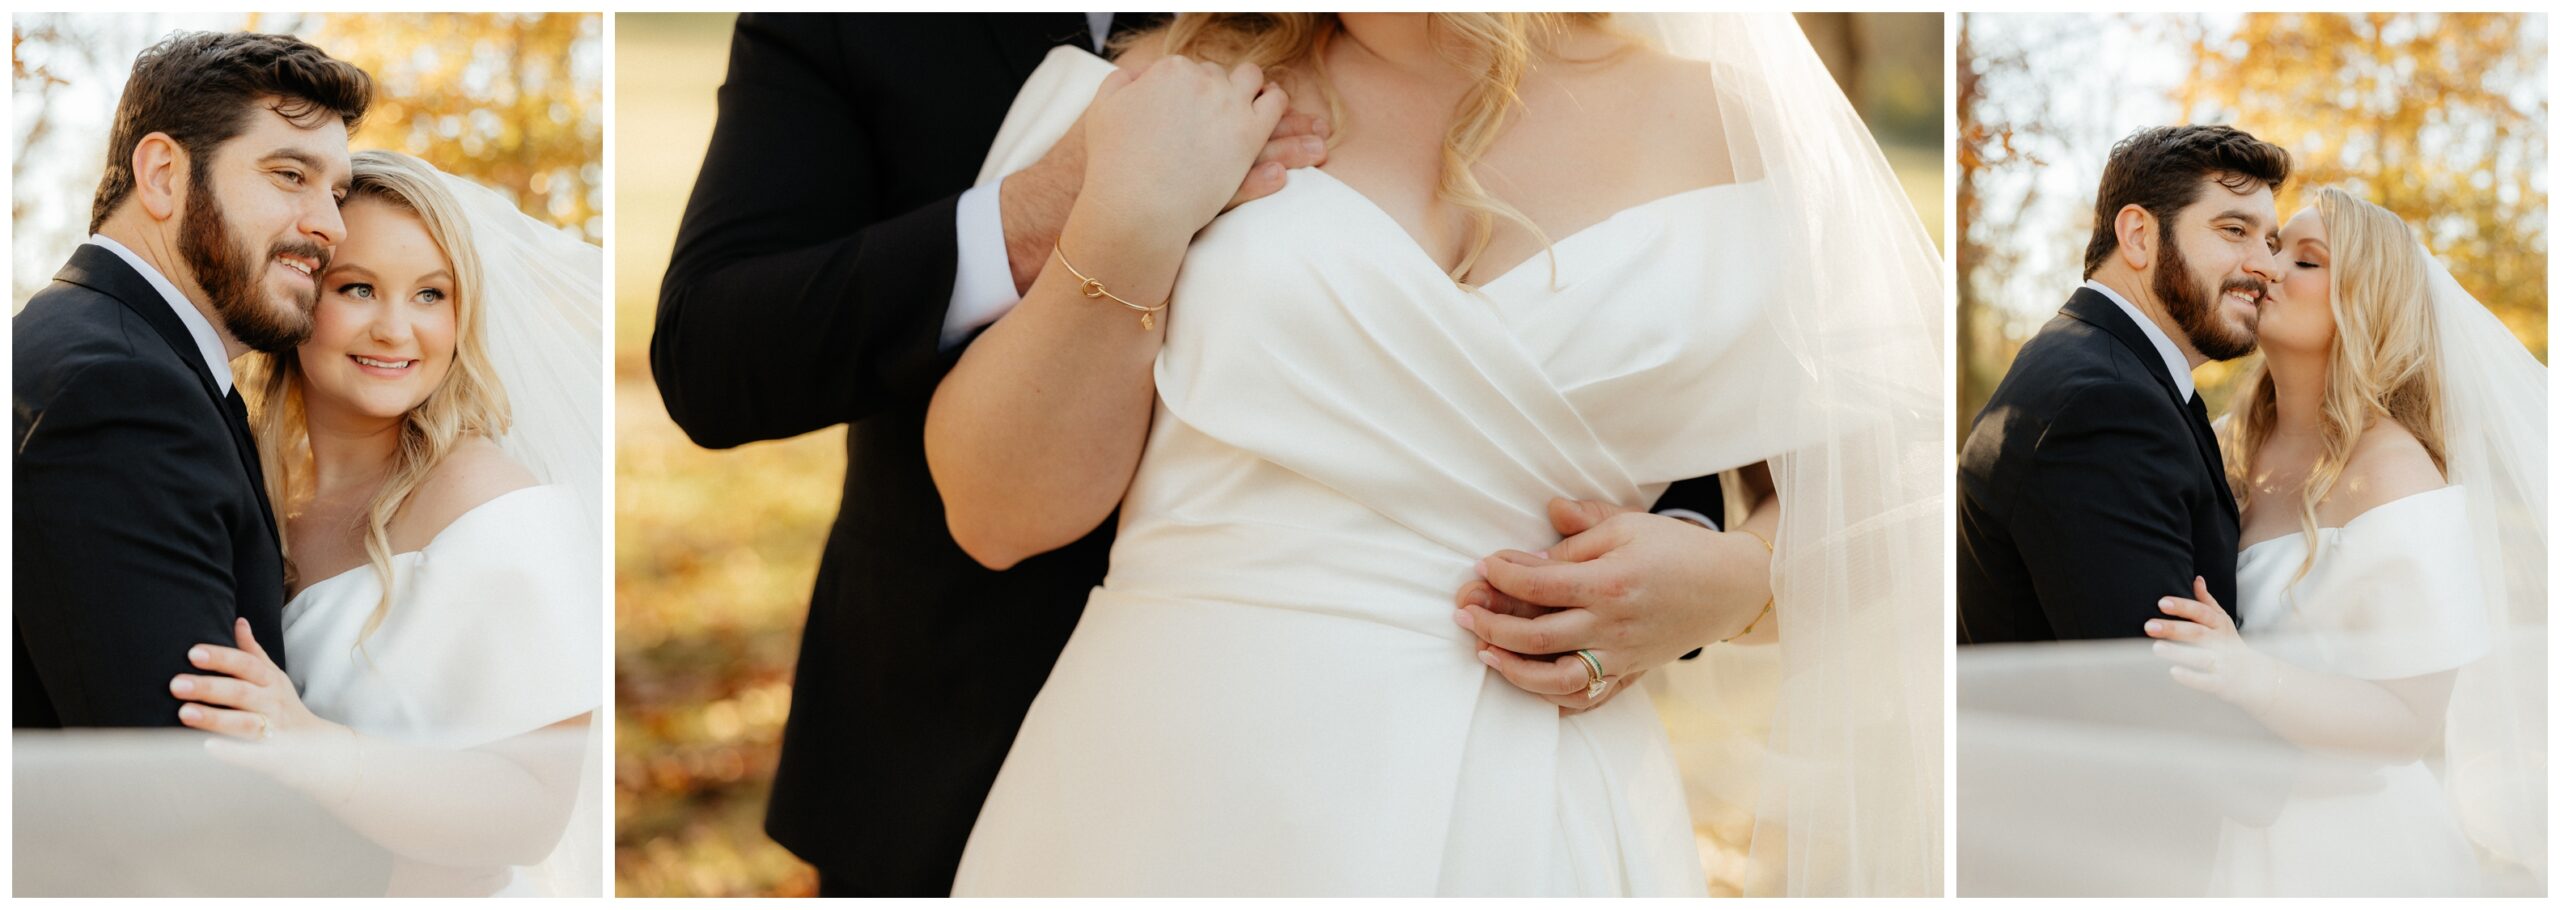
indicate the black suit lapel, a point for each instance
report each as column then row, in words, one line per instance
column 97, row 269
column 2094, row 308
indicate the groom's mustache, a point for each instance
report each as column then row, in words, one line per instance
column 2257, row 289
column 319, row 255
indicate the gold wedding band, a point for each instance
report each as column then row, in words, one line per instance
column 263, row 727
column 1599, row 678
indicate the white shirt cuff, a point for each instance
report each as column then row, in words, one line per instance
column 1690, row 515
column 982, row 286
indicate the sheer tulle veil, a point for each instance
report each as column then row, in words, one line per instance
column 1849, row 787
column 2497, row 440
column 544, row 290
column 545, row 332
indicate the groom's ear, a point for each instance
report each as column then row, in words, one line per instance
column 159, row 176
column 2137, row 234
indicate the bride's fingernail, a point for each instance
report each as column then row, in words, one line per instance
column 1465, row 621
column 1486, row 656
column 2151, row 626
column 182, row 686
column 197, row 654
column 189, row 712
column 1480, row 568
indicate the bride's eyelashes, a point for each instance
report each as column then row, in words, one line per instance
column 364, row 291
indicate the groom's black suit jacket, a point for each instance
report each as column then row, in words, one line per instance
column 141, row 515
column 2088, row 490
column 807, row 288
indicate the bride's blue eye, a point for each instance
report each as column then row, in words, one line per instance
column 430, row 295
column 358, row 290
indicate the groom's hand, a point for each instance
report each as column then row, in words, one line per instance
column 1035, row 200
column 1636, row 589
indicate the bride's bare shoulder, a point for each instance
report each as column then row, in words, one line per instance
column 2388, row 463
column 475, row 472
column 1675, row 111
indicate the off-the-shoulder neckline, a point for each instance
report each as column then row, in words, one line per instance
column 457, row 521
column 2368, row 513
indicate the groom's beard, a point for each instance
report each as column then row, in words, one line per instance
column 2183, row 294
column 229, row 274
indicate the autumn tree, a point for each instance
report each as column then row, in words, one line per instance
column 2438, row 117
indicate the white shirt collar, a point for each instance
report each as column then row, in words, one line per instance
column 208, row 342
column 2179, row 371
column 1100, row 23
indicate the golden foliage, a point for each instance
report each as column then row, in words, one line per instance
column 2435, row 116
column 512, row 100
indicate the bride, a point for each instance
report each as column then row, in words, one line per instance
column 436, row 461
column 2388, row 453
column 1546, row 257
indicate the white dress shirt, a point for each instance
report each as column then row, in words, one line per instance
column 982, row 288
column 208, row 342
column 2179, row 371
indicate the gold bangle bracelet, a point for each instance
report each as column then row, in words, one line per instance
column 1092, row 289
column 1766, row 608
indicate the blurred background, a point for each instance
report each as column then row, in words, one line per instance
column 716, row 551
column 514, row 101
column 2439, row 117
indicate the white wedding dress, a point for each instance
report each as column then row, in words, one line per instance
column 2392, row 595
column 491, row 634
column 1266, row 696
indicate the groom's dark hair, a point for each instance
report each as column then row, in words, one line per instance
column 2163, row 169
column 201, row 88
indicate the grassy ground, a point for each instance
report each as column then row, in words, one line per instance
column 715, row 550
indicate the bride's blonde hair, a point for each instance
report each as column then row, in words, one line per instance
column 2382, row 361
column 468, row 402
column 1498, row 47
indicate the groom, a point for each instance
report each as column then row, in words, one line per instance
column 2092, row 485
column 832, row 264
column 142, row 519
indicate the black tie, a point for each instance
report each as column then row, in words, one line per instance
column 2204, row 425
column 248, row 439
